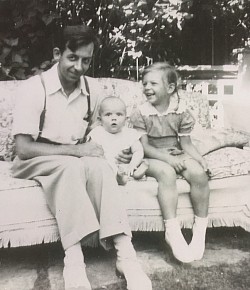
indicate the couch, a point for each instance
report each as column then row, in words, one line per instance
column 25, row 218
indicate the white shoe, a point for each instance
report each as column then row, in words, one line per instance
column 75, row 277
column 176, row 241
column 135, row 277
column 197, row 245
column 180, row 251
column 197, row 251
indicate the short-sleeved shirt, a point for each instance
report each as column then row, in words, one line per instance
column 64, row 119
column 114, row 143
column 164, row 129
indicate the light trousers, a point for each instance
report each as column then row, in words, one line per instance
column 82, row 193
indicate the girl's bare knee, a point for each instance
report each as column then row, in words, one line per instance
column 166, row 174
column 199, row 177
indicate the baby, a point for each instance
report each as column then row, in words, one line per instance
column 114, row 136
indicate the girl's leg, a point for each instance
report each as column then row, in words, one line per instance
column 168, row 198
column 199, row 190
column 167, row 191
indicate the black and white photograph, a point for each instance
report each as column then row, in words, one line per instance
column 124, row 144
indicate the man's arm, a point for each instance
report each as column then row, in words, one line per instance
column 27, row 148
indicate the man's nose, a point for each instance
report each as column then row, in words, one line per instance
column 78, row 65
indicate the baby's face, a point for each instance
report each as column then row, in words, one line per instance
column 113, row 116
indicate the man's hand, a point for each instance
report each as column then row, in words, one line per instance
column 91, row 149
column 124, row 156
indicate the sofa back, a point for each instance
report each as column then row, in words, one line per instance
column 129, row 91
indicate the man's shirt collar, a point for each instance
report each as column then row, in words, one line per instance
column 53, row 83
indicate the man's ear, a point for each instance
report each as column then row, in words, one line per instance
column 171, row 88
column 56, row 54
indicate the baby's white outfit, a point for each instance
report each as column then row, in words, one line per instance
column 112, row 144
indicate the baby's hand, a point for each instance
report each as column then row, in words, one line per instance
column 122, row 176
column 124, row 156
column 131, row 169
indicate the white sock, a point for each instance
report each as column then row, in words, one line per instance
column 197, row 245
column 176, row 241
column 74, row 255
column 124, row 247
column 74, row 272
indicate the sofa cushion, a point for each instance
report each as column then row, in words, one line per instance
column 228, row 162
column 7, row 182
column 208, row 140
column 6, row 107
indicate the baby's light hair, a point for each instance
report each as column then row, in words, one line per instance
column 170, row 75
column 111, row 98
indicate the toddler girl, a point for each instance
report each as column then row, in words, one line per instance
column 167, row 124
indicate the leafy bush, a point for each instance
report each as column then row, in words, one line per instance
column 129, row 31
column 132, row 33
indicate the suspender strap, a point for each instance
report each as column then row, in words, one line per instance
column 88, row 117
column 42, row 116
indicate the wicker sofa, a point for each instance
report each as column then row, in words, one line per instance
column 26, row 220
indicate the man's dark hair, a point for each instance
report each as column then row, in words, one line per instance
column 73, row 37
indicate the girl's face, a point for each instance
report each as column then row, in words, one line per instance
column 156, row 91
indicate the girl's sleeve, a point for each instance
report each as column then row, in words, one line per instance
column 137, row 121
column 186, row 124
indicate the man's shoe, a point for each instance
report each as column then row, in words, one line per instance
column 135, row 277
column 75, row 277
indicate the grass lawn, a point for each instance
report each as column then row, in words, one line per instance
column 225, row 266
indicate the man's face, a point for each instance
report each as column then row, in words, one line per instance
column 72, row 65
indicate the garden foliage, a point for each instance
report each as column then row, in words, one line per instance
column 132, row 33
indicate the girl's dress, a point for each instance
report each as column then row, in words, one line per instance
column 164, row 129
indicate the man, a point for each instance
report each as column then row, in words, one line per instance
column 50, row 120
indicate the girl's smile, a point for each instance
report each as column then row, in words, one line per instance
column 155, row 89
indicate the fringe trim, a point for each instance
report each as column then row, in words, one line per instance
column 28, row 237
column 233, row 219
